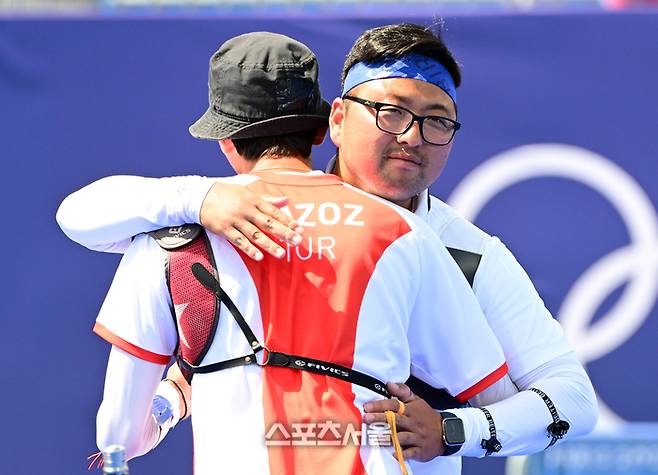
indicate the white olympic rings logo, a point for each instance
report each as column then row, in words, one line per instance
column 636, row 263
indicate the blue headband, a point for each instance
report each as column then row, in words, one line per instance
column 412, row 65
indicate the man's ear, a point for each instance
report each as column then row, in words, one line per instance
column 320, row 134
column 227, row 147
column 336, row 118
column 232, row 155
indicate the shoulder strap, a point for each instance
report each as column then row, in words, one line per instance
column 195, row 308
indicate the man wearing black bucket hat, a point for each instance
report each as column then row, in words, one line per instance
column 298, row 346
column 249, row 97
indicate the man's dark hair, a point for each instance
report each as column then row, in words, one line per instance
column 297, row 144
column 392, row 41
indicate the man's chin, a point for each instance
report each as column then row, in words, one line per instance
column 399, row 197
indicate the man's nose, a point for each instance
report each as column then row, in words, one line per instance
column 412, row 135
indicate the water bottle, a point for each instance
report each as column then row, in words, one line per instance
column 114, row 461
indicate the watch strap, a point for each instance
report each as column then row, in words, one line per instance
column 449, row 449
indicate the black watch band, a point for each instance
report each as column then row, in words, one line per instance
column 452, row 432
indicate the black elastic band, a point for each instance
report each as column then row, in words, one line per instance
column 558, row 428
column 492, row 444
column 212, row 284
column 303, row 363
column 211, row 368
column 273, row 358
column 182, row 395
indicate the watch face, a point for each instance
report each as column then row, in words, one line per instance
column 453, row 431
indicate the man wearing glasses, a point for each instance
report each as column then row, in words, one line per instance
column 393, row 126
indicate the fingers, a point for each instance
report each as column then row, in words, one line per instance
column 382, row 405
column 270, row 206
column 411, row 453
column 374, row 417
column 409, row 439
column 414, row 447
column 262, row 240
column 246, row 236
column 417, row 424
column 270, row 224
column 403, row 423
column 269, row 218
column 250, row 222
column 235, row 237
column 401, row 391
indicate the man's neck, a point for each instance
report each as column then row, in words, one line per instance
column 410, row 204
column 274, row 162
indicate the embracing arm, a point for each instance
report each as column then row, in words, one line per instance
column 538, row 356
column 106, row 214
column 522, row 419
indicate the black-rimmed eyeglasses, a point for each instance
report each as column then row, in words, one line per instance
column 396, row 120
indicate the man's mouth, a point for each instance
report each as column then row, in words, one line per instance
column 405, row 157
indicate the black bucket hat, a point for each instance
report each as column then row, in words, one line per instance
column 262, row 84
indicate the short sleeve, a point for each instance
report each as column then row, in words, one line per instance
column 527, row 332
column 136, row 315
column 451, row 343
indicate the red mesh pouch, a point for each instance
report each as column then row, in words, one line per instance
column 196, row 308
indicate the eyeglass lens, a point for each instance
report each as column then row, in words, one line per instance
column 435, row 130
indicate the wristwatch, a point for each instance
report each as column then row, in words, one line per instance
column 453, row 432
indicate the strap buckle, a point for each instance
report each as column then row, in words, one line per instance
column 265, row 359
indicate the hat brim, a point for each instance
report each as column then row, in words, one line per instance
column 213, row 125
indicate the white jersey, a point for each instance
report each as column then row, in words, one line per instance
column 527, row 331
column 533, row 341
column 367, row 289
column 105, row 214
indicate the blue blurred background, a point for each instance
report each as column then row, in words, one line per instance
column 558, row 155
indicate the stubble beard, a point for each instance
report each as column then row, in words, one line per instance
column 397, row 187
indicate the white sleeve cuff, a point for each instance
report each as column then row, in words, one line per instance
column 188, row 197
column 476, row 428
